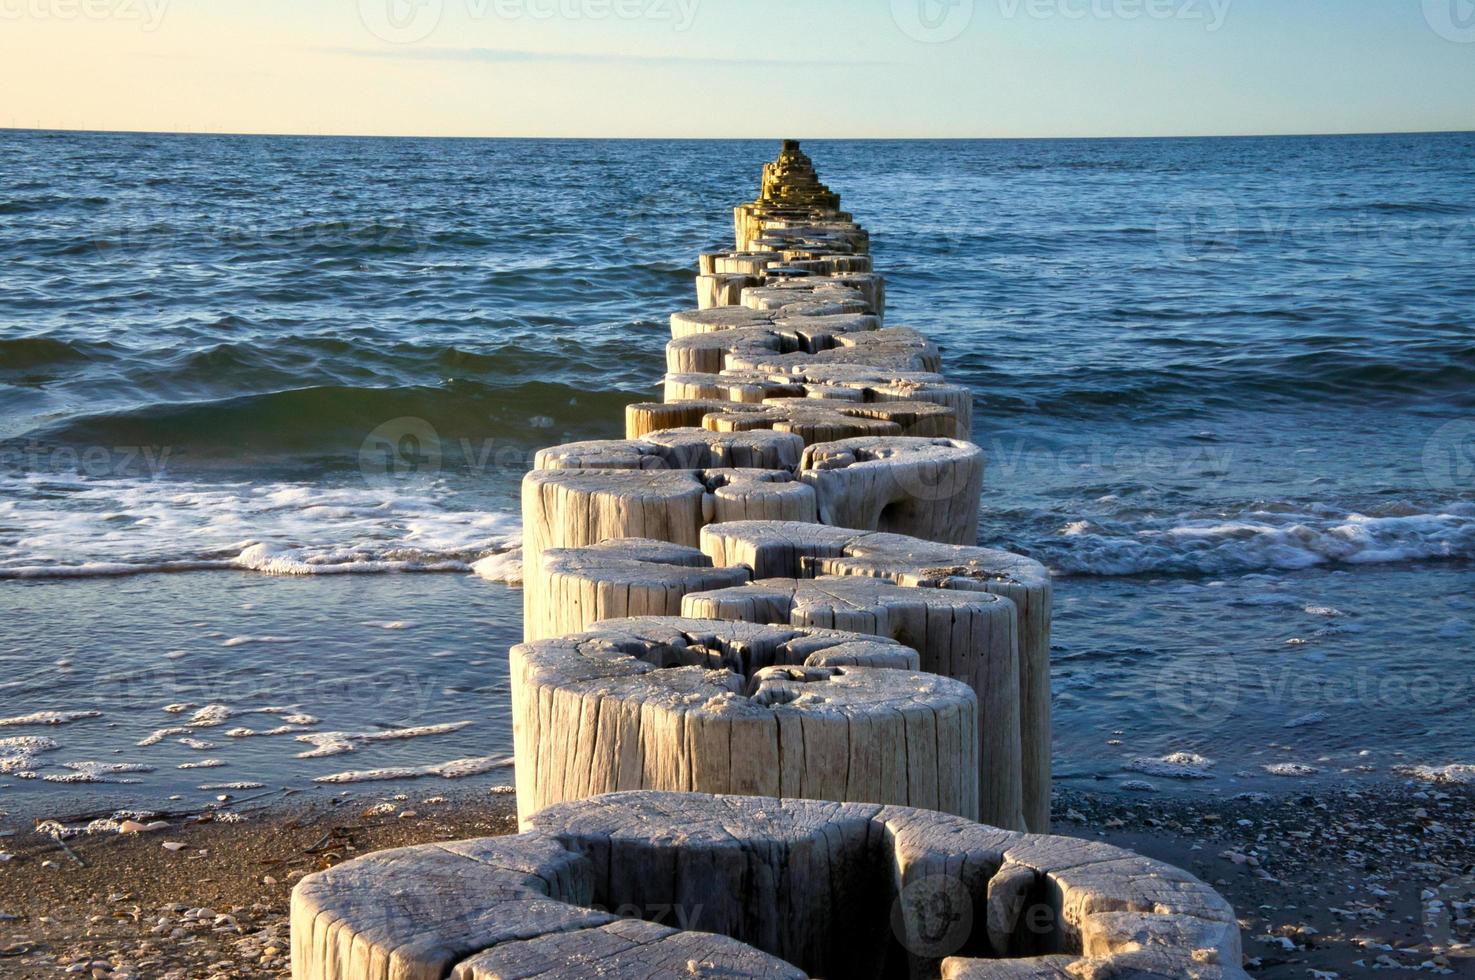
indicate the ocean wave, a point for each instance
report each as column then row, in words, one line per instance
column 1256, row 539
column 52, row 528
column 24, row 353
column 1445, row 371
column 338, row 418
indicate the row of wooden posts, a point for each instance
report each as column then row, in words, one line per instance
column 809, row 468
column 770, row 686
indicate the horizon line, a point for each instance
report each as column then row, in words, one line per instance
column 264, row 134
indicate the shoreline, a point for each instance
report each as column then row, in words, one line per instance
column 1322, row 880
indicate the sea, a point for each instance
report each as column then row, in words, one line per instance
column 265, row 403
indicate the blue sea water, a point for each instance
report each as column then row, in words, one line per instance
column 1226, row 388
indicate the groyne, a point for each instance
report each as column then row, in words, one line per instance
column 769, row 675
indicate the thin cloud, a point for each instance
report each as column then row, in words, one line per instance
column 500, row 56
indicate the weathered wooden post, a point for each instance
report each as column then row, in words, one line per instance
column 717, row 706
column 662, row 886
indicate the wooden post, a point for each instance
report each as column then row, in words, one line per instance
column 925, row 488
column 578, row 587
column 716, row 706
column 743, row 886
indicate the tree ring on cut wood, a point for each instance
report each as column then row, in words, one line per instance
column 896, row 349
column 799, row 318
column 577, row 587
column 643, row 418
column 877, row 386
column 806, row 336
column 677, row 449
column 577, row 508
column 832, row 420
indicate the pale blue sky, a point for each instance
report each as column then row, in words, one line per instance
column 764, row 68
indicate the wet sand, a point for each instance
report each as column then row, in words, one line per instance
column 125, row 906
column 1326, row 883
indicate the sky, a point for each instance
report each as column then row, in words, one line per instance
column 740, row 68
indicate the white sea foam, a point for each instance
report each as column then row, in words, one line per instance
column 19, row 762
column 98, row 772
column 28, row 743
column 1292, row 769
column 1280, row 536
column 159, row 735
column 337, row 743
column 240, row 641
column 210, row 716
column 48, row 718
column 73, row 528
column 244, row 732
column 1458, row 774
column 1177, row 765
column 455, row 769
column 505, row 568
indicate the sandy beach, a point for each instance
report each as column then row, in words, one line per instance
column 1327, row 884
